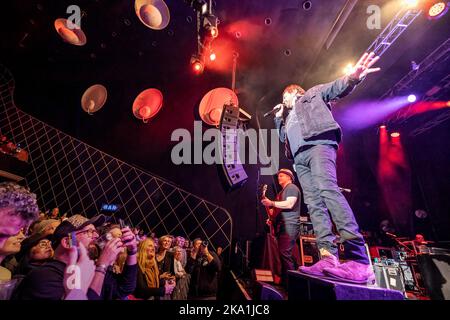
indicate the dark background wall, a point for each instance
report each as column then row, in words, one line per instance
column 127, row 58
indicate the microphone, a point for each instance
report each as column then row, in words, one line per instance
column 274, row 110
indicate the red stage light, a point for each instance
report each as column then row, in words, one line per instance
column 383, row 127
column 212, row 56
column 395, row 134
column 197, row 65
column 212, row 31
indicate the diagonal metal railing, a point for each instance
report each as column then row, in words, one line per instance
column 78, row 178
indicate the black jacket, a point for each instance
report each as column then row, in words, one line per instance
column 46, row 283
column 204, row 275
column 143, row 291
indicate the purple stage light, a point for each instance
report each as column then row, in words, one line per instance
column 364, row 114
column 412, row 98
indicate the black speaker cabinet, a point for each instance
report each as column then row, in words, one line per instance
column 435, row 270
column 306, row 287
column 309, row 253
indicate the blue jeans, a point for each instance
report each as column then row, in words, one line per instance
column 286, row 242
column 316, row 171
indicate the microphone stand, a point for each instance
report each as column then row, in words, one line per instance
column 402, row 244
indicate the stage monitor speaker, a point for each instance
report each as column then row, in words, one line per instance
column 435, row 270
column 265, row 292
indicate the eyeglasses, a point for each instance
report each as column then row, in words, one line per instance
column 44, row 244
column 90, row 232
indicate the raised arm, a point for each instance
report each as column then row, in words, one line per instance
column 345, row 85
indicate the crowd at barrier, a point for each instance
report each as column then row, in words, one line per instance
column 54, row 256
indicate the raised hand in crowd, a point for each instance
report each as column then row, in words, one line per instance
column 110, row 252
column 165, row 275
column 129, row 240
column 169, row 286
column 78, row 274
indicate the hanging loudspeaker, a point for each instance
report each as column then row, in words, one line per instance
column 70, row 32
column 154, row 14
column 231, row 163
column 94, row 98
column 147, row 104
column 212, row 103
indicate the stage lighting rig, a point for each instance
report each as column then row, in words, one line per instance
column 207, row 31
column 197, row 64
column 200, row 6
column 209, row 26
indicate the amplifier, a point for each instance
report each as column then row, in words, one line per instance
column 381, row 252
column 389, row 277
column 408, row 277
column 309, row 252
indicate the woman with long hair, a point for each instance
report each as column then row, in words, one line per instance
column 149, row 285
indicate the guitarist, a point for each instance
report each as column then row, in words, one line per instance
column 284, row 215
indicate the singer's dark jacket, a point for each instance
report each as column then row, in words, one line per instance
column 314, row 111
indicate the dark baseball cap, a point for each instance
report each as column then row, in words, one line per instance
column 75, row 223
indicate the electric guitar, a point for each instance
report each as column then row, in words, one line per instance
column 271, row 258
column 271, row 212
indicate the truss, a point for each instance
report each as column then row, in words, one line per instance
column 402, row 20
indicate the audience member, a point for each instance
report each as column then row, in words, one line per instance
column 181, row 290
column 54, row 214
column 36, row 250
column 7, row 283
column 46, row 227
column 46, row 282
column 18, row 208
column 149, row 284
column 114, row 232
column 81, row 266
column 11, row 246
column 203, row 265
column 180, row 242
column 164, row 258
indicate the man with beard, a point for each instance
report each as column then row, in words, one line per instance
column 47, row 281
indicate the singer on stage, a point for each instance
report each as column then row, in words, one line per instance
column 312, row 137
